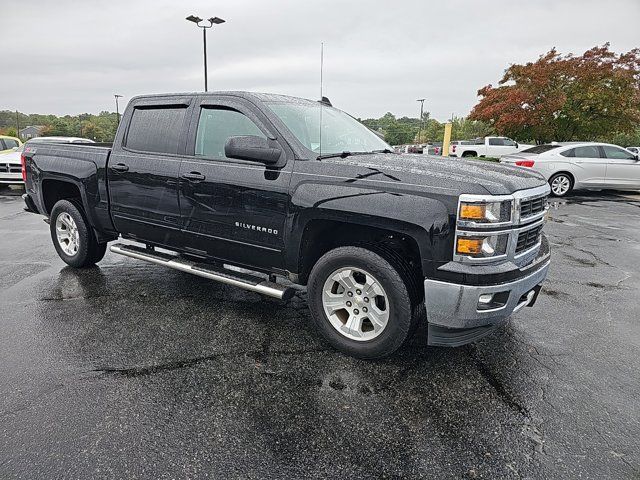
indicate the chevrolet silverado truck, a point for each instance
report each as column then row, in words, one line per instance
column 265, row 191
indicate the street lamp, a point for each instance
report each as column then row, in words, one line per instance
column 117, row 109
column 421, row 100
column 212, row 21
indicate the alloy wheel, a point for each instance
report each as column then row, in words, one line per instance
column 67, row 234
column 355, row 303
column 560, row 185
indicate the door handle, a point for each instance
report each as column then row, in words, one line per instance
column 120, row 167
column 193, row 176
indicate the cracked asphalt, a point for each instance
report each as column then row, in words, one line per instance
column 130, row 370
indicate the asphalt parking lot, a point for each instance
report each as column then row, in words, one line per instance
column 129, row 370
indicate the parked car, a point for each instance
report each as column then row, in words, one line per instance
column 11, row 168
column 246, row 180
column 588, row 165
column 10, row 163
column 9, row 144
column 495, row 147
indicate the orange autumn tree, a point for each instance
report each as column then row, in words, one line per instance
column 562, row 98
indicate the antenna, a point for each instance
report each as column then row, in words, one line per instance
column 321, row 68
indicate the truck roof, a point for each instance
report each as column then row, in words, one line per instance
column 260, row 96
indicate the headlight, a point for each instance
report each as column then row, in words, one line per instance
column 485, row 212
column 482, row 246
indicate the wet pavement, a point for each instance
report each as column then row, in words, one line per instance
column 130, row 370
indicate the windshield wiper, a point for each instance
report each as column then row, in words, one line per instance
column 346, row 154
column 384, row 150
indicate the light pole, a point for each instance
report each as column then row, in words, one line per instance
column 117, row 108
column 212, row 21
column 421, row 100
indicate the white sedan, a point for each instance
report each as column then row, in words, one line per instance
column 573, row 166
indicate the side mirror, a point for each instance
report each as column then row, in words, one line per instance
column 517, row 145
column 251, row 147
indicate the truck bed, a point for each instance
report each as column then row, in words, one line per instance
column 81, row 164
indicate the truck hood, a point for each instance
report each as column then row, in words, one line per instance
column 11, row 157
column 461, row 175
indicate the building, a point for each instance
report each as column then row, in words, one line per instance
column 30, row 132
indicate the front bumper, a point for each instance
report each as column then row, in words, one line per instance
column 457, row 316
column 7, row 178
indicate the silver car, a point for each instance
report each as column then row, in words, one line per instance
column 588, row 165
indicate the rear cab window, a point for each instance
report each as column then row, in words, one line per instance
column 156, row 129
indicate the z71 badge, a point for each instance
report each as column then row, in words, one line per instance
column 257, row 228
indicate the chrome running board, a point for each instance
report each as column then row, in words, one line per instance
column 222, row 275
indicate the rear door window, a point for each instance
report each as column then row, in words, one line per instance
column 496, row 142
column 156, row 129
column 587, row 151
column 216, row 125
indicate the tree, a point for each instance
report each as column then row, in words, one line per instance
column 594, row 96
column 396, row 131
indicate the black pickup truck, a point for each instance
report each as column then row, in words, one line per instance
column 217, row 184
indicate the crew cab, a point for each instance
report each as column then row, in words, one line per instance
column 494, row 147
column 297, row 191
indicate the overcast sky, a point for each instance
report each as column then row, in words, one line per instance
column 69, row 57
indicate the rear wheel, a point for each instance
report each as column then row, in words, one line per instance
column 561, row 184
column 73, row 237
column 360, row 302
column 469, row 154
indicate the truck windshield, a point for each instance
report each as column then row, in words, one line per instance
column 340, row 132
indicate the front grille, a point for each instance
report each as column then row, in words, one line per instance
column 533, row 206
column 10, row 168
column 528, row 239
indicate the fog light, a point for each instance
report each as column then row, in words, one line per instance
column 485, row 298
column 492, row 301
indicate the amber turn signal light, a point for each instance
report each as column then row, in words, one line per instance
column 473, row 212
column 469, row 246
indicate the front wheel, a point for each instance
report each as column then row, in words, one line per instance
column 561, row 184
column 73, row 237
column 360, row 303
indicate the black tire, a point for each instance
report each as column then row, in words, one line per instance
column 558, row 176
column 401, row 321
column 469, row 154
column 89, row 251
